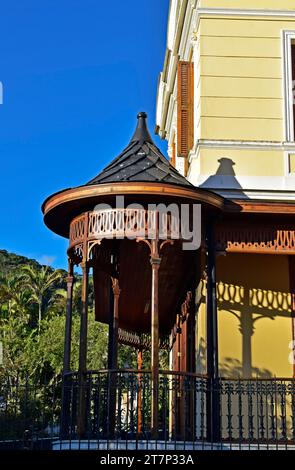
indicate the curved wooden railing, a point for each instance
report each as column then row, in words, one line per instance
column 124, row 223
column 135, row 223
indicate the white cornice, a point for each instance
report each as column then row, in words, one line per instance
column 240, row 145
column 243, row 12
column 186, row 34
column 284, row 146
column 272, row 196
column 278, row 184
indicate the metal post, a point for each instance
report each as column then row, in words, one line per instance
column 111, row 327
column 68, row 326
column 114, row 324
column 155, row 262
column 192, row 365
column 83, row 352
column 213, row 401
column 65, row 410
column 139, row 393
column 113, row 353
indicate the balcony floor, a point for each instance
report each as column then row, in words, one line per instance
column 161, row 445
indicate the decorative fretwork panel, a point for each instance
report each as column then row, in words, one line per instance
column 130, row 338
column 77, row 230
column 119, row 223
column 263, row 239
column 142, row 341
column 124, row 223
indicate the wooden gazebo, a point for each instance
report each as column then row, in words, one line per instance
column 143, row 279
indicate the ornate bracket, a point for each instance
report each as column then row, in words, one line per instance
column 155, row 246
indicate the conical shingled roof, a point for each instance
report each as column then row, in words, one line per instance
column 141, row 161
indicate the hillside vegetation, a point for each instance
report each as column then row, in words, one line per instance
column 32, row 321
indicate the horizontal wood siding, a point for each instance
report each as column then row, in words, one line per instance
column 241, row 78
column 241, row 129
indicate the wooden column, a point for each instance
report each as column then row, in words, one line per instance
column 66, row 387
column 191, row 366
column 213, row 399
column 113, row 354
column 155, row 262
column 83, row 353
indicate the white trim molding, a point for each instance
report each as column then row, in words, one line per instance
column 251, row 144
column 287, row 165
column 272, row 196
column 246, row 12
column 288, row 36
column 241, row 145
column 283, row 185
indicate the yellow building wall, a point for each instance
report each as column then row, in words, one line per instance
column 241, row 162
column 241, row 77
column 254, row 316
column 248, row 4
column 201, row 361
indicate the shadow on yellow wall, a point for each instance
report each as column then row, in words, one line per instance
column 253, row 289
column 224, row 177
column 254, row 317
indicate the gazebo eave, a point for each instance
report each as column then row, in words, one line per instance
column 60, row 208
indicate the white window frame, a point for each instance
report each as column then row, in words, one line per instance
column 288, row 36
column 287, row 163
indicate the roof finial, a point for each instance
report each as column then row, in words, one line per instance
column 142, row 114
column 141, row 133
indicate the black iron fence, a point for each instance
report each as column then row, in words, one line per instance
column 29, row 413
column 109, row 408
column 118, row 405
column 258, row 410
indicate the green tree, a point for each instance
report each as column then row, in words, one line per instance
column 7, row 292
column 60, row 298
column 41, row 284
column 44, row 357
column 13, row 300
column 14, row 336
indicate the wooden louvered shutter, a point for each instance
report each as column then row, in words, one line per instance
column 185, row 109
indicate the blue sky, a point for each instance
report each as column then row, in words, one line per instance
column 74, row 73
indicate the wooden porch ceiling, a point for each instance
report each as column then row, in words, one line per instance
column 176, row 272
